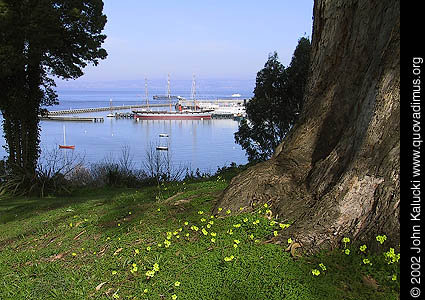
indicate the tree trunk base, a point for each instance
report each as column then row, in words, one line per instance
column 337, row 173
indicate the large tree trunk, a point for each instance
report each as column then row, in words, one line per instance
column 337, row 173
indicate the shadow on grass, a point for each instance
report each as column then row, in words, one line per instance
column 20, row 208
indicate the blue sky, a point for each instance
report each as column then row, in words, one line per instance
column 228, row 39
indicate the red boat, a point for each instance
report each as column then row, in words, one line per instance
column 172, row 115
column 65, row 146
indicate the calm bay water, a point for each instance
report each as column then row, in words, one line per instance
column 206, row 144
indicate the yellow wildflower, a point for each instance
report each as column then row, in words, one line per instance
column 229, row 258
column 150, row 273
column 156, row 267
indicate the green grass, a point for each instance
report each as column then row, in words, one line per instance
column 94, row 245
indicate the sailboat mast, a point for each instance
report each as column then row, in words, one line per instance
column 64, row 140
column 146, row 92
column 194, row 90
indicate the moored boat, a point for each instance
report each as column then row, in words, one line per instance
column 172, row 115
column 163, row 148
column 179, row 114
column 65, row 146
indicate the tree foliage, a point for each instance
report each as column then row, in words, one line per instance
column 40, row 40
column 277, row 102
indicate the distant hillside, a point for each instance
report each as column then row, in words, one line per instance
column 203, row 85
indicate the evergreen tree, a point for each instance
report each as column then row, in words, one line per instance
column 40, row 39
column 277, row 102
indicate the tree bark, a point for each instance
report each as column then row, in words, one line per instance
column 337, row 173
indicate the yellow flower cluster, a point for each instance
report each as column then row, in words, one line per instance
column 229, row 258
column 381, row 238
column 391, row 256
column 152, row 272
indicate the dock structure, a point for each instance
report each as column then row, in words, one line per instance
column 77, row 119
column 98, row 109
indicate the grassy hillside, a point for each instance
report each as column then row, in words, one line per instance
column 163, row 243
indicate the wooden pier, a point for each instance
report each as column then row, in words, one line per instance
column 98, row 109
column 77, row 119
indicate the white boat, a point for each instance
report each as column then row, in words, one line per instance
column 236, row 95
column 230, row 110
column 163, row 135
column 208, row 106
column 164, row 148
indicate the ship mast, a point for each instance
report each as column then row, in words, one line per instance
column 168, row 90
column 194, row 90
